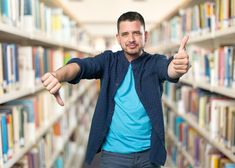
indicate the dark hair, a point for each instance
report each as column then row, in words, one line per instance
column 130, row 16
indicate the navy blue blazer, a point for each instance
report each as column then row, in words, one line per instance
column 150, row 71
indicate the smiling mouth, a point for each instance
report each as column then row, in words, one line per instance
column 132, row 46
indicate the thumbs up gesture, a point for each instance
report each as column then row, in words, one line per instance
column 180, row 64
column 52, row 84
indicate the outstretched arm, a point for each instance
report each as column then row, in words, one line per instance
column 180, row 64
column 52, row 80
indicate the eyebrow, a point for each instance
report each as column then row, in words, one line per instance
column 124, row 33
column 137, row 31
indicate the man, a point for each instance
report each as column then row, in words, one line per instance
column 127, row 126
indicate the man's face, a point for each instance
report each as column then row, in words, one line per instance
column 131, row 37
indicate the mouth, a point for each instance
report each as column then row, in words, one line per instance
column 132, row 46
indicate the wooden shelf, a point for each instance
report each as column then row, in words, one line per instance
column 20, row 93
column 83, row 143
column 229, row 92
column 65, row 139
column 206, row 40
column 63, row 5
column 28, row 146
column 202, row 131
column 209, row 40
column 214, row 39
column 45, row 128
column 66, row 9
column 13, row 34
column 17, row 35
column 181, row 148
column 73, row 99
column 181, row 5
column 16, row 94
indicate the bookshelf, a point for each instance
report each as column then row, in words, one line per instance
column 186, row 155
column 84, row 43
column 210, row 25
column 34, row 40
column 20, row 93
column 64, row 140
column 24, row 150
column 15, row 34
column 191, row 121
column 204, row 85
column 209, row 40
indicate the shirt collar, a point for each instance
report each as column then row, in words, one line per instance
column 135, row 61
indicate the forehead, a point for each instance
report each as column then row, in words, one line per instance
column 130, row 26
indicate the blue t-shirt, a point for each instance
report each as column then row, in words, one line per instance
column 150, row 72
column 130, row 129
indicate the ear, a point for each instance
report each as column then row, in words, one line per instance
column 118, row 38
column 146, row 36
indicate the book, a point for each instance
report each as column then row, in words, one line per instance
column 4, row 137
column 1, row 71
column 28, row 16
column 29, row 107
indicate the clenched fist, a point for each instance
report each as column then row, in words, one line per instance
column 52, row 84
column 180, row 64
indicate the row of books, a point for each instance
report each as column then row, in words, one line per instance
column 24, row 120
column 177, row 158
column 40, row 154
column 74, row 156
column 34, row 16
column 84, row 109
column 216, row 160
column 21, row 119
column 216, row 67
column 201, row 18
column 215, row 113
column 203, row 154
column 22, row 66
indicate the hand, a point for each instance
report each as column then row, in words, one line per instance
column 51, row 83
column 181, row 59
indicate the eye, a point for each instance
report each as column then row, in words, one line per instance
column 124, row 34
column 137, row 33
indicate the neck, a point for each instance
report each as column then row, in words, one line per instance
column 131, row 57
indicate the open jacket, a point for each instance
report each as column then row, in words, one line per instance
column 150, row 71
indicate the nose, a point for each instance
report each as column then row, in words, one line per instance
column 131, row 38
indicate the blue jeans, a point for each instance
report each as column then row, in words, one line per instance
column 133, row 160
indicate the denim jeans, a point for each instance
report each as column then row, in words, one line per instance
column 133, row 160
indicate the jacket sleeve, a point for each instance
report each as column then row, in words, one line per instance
column 163, row 63
column 91, row 67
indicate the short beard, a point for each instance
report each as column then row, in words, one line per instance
column 134, row 54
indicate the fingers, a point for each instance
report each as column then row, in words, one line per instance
column 183, row 43
column 59, row 99
column 181, row 62
column 181, row 59
column 181, row 69
column 55, row 88
column 51, row 83
column 45, row 77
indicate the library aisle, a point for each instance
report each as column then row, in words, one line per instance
column 41, row 36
